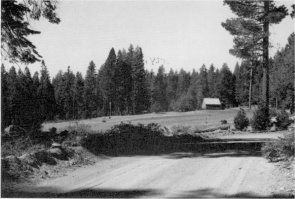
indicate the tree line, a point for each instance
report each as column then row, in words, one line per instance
column 122, row 86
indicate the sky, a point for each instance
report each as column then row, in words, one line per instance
column 182, row 34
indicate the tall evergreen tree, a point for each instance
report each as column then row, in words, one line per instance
column 123, row 81
column 140, row 98
column 159, row 96
column 25, row 81
column 172, row 80
column 46, row 94
column 12, row 96
column 211, row 81
column 238, row 83
column 5, row 121
column 15, row 27
column 78, row 96
column 251, row 31
column 58, row 84
column 204, row 81
column 107, row 83
column 183, row 83
column 68, row 93
column 90, row 94
column 226, row 87
column 282, row 76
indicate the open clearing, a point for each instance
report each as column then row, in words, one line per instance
column 200, row 119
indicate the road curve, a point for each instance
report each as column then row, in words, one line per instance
column 173, row 175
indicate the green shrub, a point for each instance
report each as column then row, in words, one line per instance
column 79, row 128
column 136, row 139
column 260, row 120
column 283, row 120
column 281, row 149
column 156, row 107
column 21, row 145
column 180, row 129
column 241, row 121
column 223, row 121
column 183, row 104
column 76, row 133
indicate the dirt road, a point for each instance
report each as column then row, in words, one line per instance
column 172, row 175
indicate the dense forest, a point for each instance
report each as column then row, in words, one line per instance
column 122, row 86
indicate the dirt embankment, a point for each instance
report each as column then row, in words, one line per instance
column 41, row 164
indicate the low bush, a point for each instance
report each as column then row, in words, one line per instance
column 223, row 121
column 156, row 107
column 281, row 149
column 135, row 139
column 183, row 104
column 260, row 120
column 76, row 134
column 180, row 129
column 241, row 121
column 79, row 128
column 21, row 145
column 283, row 120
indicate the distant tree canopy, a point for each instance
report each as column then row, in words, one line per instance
column 283, row 75
column 15, row 15
column 122, row 86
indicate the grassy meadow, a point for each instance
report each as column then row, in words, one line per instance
column 200, row 119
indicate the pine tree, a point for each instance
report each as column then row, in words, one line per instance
column 159, row 96
column 68, row 93
column 58, row 84
column 107, row 83
column 78, row 96
column 46, row 94
column 90, row 95
column 140, row 98
column 123, row 82
column 211, row 81
column 217, row 83
column 172, row 80
column 26, row 118
column 183, row 83
column 5, row 121
column 15, row 19
column 282, row 76
column 204, row 81
column 238, row 83
column 251, row 31
column 12, row 96
column 226, row 87
column 35, row 98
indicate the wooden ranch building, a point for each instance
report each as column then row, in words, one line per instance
column 211, row 103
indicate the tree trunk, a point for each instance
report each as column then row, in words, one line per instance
column 265, row 85
column 250, row 88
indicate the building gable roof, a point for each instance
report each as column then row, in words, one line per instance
column 213, row 101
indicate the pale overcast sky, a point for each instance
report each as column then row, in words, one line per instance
column 186, row 34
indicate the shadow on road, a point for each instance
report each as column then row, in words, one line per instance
column 211, row 193
column 228, row 153
column 85, row 193
column 135, row 193
column 180, row 148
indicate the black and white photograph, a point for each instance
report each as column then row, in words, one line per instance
column 147, row 99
